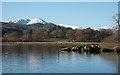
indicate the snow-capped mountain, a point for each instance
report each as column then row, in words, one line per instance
column 69, row 26
column 33, row 21
column 28, row 21
column 113, row 28
column 39, row 20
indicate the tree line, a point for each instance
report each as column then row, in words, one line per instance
column 19, row 33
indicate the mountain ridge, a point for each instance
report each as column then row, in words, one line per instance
column 39, row 20
column 28, row 21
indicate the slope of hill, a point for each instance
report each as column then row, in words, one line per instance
column 113, row 28
column 69, row 26
column 40, row 30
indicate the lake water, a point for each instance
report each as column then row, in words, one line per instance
column 47, row 58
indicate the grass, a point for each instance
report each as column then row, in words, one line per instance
column 54, row 40
column 108, row 45
column 111, row 42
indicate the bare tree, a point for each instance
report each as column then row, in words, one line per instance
column 116, row 19
column 117, row 22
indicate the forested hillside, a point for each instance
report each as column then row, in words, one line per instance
column 12, row 32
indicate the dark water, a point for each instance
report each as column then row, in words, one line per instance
column 47, row 58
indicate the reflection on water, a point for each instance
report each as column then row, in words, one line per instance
column 46, row 58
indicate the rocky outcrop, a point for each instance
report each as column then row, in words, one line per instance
column 89, row 49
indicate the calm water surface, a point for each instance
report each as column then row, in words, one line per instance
column 47, row 58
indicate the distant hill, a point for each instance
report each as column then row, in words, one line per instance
column 37, row 21
column 69, row 26
column 33, row 27
column 39, row 30
column 113, row 28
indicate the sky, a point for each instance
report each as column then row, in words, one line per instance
column 82, row 14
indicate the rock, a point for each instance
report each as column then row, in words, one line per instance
column 107, row 50
column 84, row 48
column 66, row 49
column 116, row 49
column 75, row 48
column 80, row 49
column 92, row 49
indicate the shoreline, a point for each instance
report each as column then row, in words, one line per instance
column 50, row 42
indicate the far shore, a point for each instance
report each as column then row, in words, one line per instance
column 101, row 44
column 50, row 42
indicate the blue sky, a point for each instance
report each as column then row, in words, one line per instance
column 82, row 14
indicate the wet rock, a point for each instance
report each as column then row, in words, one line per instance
column 92, row 49
column 75, row 48
column 80, row 49
column 66, row 49
column 107, row 50
column 116, row 49
column 84, row 48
